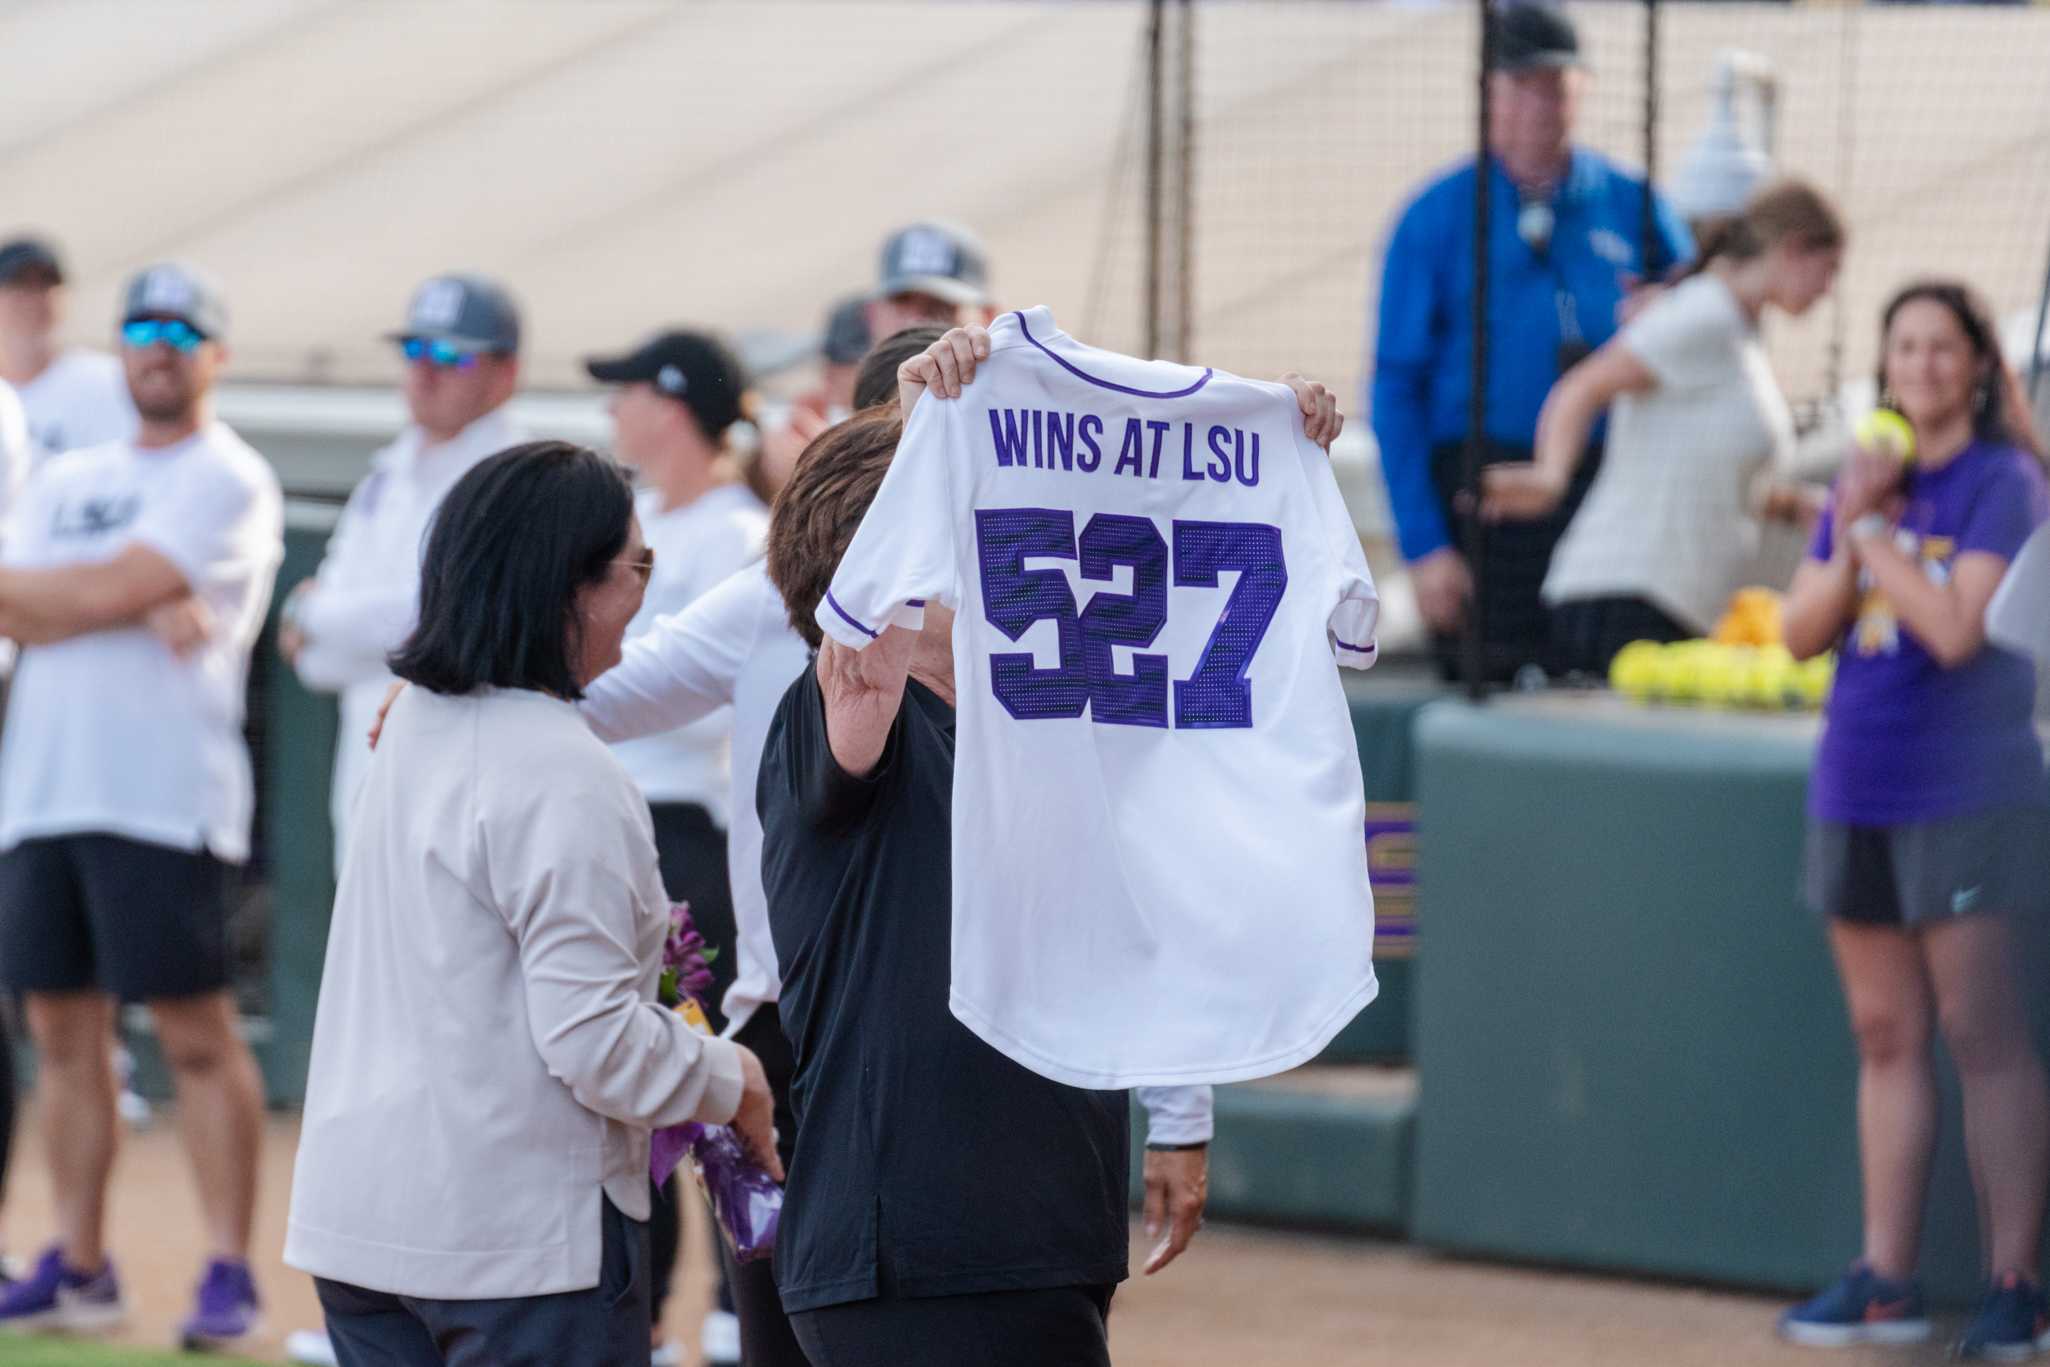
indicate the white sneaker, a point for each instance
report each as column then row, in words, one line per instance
column 311, row 1347
column 668, row 1355
column 719, row 1340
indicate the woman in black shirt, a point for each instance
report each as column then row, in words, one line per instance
column 946, row 1204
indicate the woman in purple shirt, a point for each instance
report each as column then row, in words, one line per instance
column 1927, row 817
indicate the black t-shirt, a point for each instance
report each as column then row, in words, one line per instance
column 927, row 1163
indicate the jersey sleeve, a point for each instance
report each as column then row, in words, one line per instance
column 2019, row 615
column 1354, row 605
column 903, row 552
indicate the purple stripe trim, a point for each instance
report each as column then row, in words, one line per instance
column 914, row 602
column 1348, row 645
column 1081, row 374
column 849, row 618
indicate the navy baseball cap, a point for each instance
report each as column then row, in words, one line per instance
column 939, row 259
column 172, row 289
column 846, row 340
column 30, row 256
column 1532, row 37
column 463, row 310
column 694, row 368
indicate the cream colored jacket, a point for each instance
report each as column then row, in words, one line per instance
column 488, row 1055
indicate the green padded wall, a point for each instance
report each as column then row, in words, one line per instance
column 298, row 760
column 1384, row 709
column 1631, row 1043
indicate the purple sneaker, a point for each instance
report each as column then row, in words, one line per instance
column 226, row 1310
column 52, row 1296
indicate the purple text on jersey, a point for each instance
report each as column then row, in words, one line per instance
column 1050, row 439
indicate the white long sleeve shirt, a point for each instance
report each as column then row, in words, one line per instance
column 488, row 1056
column 363, row 602
column 696, row 547
column 732, row 647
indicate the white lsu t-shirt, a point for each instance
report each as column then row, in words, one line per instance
column 696, row 546
column 1669, row 517
column 1159, row 869
column 80, row 399
column 111, row 732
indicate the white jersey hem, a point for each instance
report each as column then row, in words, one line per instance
column 1241, row 1070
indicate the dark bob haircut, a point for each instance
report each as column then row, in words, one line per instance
column 511, row 545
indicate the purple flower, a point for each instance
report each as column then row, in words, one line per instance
column 685, row 959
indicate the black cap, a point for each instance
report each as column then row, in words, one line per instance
column 171, row 289
column 463, row 310
column 1527, row 37
column 24, row 255
column 939, row 259
column 846, row 340
column 693, row 368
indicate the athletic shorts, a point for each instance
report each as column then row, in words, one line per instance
column 1921, row 872
column 138, row 921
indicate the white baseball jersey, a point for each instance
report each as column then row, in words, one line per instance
column 1159, row 874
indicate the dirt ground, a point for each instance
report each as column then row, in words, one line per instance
column 1238, row 1298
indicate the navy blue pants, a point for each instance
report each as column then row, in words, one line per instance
column 606, row 1326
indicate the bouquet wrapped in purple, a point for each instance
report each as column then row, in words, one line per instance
column 746, row 1201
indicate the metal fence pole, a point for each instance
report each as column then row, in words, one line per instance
column 1156, row 156
column 1477, row 402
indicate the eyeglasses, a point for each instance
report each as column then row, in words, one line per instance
column 437, row 352
column 174, row 333
column 643, row 565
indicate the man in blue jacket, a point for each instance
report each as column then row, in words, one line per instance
column 1567, row 243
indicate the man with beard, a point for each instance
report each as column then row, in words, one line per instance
column 126, row 795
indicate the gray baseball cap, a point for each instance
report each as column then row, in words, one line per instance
column 939, row 259
column 465, row 310
column 846, row 340
column 171, row 289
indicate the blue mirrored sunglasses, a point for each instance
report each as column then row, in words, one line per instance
column 438, row 352
column 175, row 333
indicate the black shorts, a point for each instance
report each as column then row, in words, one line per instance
column 1923, row 872
column 138, row 921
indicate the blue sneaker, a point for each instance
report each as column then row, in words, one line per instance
column 1863, row 1307
column 225, row 1310
column 2012, row 1325
column 53, row 1297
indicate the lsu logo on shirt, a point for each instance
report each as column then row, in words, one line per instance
column 1878, row 628
column 95, row 516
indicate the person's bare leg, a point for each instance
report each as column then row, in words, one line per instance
column 1892, row 1014
column 2006, row 1100
column 220, row 1111
column 80, row 1132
